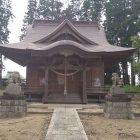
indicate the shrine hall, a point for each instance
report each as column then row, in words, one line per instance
column 65, row 60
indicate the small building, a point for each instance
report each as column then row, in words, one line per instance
column 65, row 59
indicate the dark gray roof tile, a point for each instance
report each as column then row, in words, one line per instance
column 91, row 32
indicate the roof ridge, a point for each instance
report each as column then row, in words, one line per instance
column 61, row 25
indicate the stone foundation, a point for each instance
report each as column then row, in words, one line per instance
column 118, row 110
column 12, row 106
column 118, row 106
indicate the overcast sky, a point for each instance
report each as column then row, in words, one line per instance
column 19, row 7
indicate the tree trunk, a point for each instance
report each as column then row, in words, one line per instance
column 126, row 74
column 132, row 74
column 122, row 63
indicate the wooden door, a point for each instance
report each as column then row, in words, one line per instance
column 56, row 82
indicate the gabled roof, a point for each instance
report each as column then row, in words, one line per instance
column 42, row 30
column 61, row 26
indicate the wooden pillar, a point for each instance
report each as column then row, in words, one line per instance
column 84, row 86
column 29, row 97
column 103, row 74
column 45, row 97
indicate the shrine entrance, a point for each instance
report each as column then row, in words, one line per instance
column 64, row 80
column 57, row 90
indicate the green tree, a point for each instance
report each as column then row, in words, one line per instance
column 73, row 9
column 29, row 17
column 5, row 16
column 121, row 23
column 55, row 9
column 43, row 9
column 136, row 56
column 49, row 9
column 85, row 10
column 91, row 10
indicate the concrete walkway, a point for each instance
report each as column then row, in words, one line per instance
column 65, row 125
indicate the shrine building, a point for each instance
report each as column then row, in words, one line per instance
column 65, row 60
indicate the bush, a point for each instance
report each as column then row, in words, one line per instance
column 132, row 89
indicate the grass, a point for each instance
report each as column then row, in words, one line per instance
column 132, row 89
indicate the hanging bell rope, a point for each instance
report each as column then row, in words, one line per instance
column 63, row 74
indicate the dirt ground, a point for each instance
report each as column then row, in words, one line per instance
column 32, row 127
column 99, row 128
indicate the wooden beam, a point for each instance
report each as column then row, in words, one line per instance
column 61, row 58
column 45, row 97
column 84, row 86
column 63, row 67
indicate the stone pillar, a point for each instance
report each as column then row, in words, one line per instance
column 117, row 104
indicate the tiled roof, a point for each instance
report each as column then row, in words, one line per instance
column 40, row 31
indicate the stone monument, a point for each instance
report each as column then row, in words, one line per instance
column 12, row 102
column 14, row 84
column 117, row 103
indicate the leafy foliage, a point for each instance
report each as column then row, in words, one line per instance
column 73, row 10
column 132, row 89
column 5, row 16
column 45, row 9
column 29, row 16
column 122, row 22
column 122, row 19
column 91, row 10
column 136, row 44
column 136, row 63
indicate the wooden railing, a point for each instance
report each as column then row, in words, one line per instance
column 102, row 89
column 33, row 93
column 99, row 92
column 32, row 90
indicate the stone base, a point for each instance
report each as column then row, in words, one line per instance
column 117, row 90
column 13, row 106
column 118, row 110
column 117, row 98
column 117, row 104
column 13, row 89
